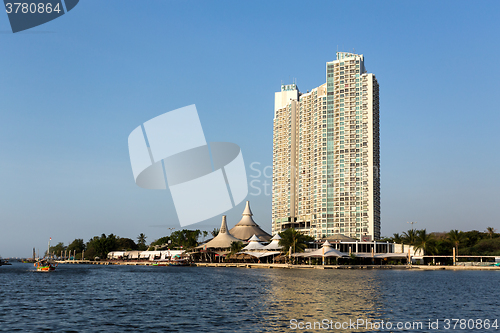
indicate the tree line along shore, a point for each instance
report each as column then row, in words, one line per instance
column 474, row 242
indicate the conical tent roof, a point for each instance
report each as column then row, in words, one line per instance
column 223, row 238
column 246, row 218
column 247, row 210
column 254, row 239
column 254, row 244
column 275, row 243
column 325, row 251
column 247, row 227
column 276, row 237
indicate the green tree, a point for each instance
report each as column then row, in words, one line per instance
column 56, row 250
column 425, row 242
column 294, row 239
column 126, row 244
column 490, row 231
column 410, row 236
column 184, row 238
column 397, row 238
column 141, row 242
column 160, row 243
column 236, row 247
column 77, row 245
column 215, row 232
column 456, row 238
column 487, row 247
column 100, row 246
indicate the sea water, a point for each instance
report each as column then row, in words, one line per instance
column 94, row 298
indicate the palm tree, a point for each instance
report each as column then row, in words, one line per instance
column 410, row 236
column 425, row 242
column 141, row 241
column 236, row 247
column 291, row 238
column 491, row 231
column 397, row 238
column 215, row 232
column 456, row 238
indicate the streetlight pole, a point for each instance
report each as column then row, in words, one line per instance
column 413, row 235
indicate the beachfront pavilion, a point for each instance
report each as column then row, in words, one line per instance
column 358, row 252
column 274, row 245
column 253, row 244
column 247, row 227
column 258, row 251
column 116, row 254
column 219, row 245
column 325, row 252
column 144, row 255
column 377, row 247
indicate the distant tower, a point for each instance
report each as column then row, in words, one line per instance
column 326, row 157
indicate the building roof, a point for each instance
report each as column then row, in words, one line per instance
column 276, row 237
column 325, row 251
column 254, row 244
column 274, row 245
column 254, row 239
column 260, row 254
column 247, row 227
column 223, row 238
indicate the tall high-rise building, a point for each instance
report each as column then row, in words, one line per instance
column 326, row 159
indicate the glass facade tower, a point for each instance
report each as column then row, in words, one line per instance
column 326, row 162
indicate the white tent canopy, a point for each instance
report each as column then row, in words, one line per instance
column 325, row 251
column 260, row 254
column 223, row 240
column 160, row 255
column 274, row 245
column 116, row 254
column 254, row 244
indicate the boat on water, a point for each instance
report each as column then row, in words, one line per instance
column 45, row 265
column 4, row 262
column 179, row 262
column 176, row 260
column 160, row 263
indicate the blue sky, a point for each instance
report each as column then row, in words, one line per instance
column 73, row 89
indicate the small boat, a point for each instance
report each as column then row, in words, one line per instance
column 44, row 265
column 160, row 263
column 4, row 262
column 178, row 261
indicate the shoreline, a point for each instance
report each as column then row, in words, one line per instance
column 289, row 266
